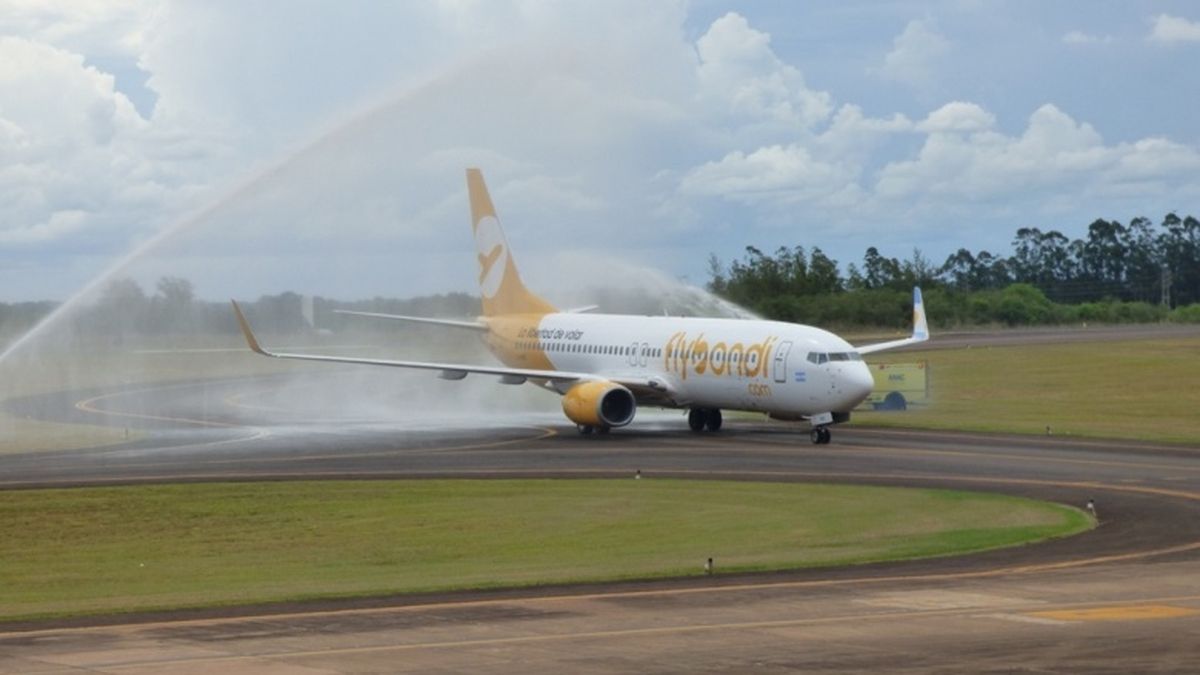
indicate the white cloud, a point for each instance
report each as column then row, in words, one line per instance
column 767, row 174
column 1077, row 37
column 60, row 223
column 957, row 116
column 1055, row 154
column 99, row 28
column 70, row 143
column 1169, row 28
column 917, row 54
column 595, row 124
column 739, row 71
column 852, row 136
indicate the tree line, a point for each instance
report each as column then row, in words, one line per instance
column 1116, row 273
column 1140, row 272
column 123, row 309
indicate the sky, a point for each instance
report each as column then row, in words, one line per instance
column 319, row 147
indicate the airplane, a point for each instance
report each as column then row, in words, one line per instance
column 607, row 365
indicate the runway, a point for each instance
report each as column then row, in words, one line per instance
column 1121, row 598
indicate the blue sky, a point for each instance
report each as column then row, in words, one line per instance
column 319, row 147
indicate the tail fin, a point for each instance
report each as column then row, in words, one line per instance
column 499, row 284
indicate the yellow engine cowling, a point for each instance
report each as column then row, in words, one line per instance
column 599, row 403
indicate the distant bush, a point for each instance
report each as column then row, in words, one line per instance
column 1115, row 311
column 1189, row 314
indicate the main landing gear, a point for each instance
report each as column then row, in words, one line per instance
column 700, row 419
column 821, row 435
column 587, row 429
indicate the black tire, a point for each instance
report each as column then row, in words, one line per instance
column 816, row 436
column 585, row 429
column 696, row 419
column 826, row 436
column 895, row 401
column 713, row 420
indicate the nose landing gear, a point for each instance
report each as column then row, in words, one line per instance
column 821, row 435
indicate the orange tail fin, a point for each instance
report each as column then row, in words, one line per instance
column 499, row 284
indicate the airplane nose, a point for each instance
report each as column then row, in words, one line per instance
column 859, row 381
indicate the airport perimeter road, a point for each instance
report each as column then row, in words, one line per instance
column 1121, row 598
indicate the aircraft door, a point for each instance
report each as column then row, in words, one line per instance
column 780, row 368
column 633, row 359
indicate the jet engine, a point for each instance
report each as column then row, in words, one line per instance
column 599, row 403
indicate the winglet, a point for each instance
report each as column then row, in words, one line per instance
column 920, row 324
column 250, row 339
column 920, row 330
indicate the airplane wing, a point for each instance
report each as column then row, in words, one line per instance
column 457, row 371
column 473, row 325
column 920, row 329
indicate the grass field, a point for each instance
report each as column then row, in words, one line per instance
column 1138, row 389
column 1143, row 389
column 96, row 550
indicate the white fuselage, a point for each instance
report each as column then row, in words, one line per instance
column 787, row 370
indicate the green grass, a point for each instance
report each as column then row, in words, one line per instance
column 1140, row 389
column 97, row 550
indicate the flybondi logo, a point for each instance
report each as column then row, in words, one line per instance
column 700, row 356
column 493, row 255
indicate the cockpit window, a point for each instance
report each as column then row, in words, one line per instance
column 845, row 356
column 822, row 357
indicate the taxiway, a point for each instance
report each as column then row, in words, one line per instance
column 1121, row 598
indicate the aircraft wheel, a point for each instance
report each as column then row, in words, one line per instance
column 713, row 420
column 585, row 429
column 826, row 435
column 816, row 436
column 696, row 419
column 895, row 401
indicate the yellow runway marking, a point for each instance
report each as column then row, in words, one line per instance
column 89, row 405
column 233, row 400
column 1130, row 613
column 254, row 433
